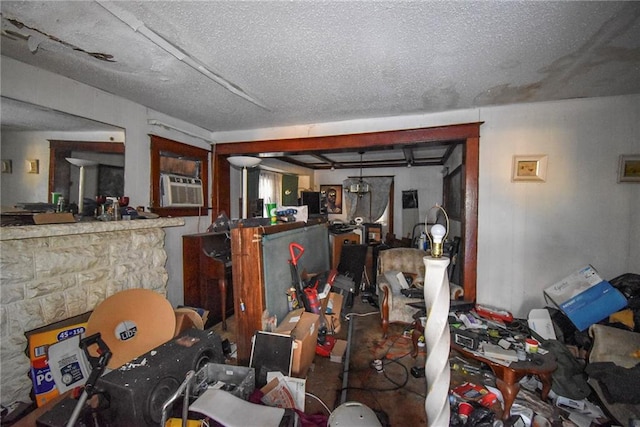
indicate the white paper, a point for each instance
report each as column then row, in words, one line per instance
column 540, row 321
column 296, row 386
column 231, row 411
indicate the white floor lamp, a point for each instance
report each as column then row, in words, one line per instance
column 81, row 163
column 244, row 162
column 436, row 330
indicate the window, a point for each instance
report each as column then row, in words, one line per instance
column 270, row 188
column 176, row 158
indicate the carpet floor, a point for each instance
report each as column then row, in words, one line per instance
column 396, row 396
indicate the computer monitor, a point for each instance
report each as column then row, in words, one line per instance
column 314, row 201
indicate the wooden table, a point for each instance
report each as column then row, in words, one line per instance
column 507, row 377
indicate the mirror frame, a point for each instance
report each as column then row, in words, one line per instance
column 467, row 134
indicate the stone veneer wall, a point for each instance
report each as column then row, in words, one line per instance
column 53, row 272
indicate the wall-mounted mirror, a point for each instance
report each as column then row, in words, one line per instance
column 35, row 135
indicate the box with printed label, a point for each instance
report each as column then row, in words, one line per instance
column 585, row 298
column 39, row 340
column 302, row 326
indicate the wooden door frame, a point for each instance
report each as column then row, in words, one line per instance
column 467, row 134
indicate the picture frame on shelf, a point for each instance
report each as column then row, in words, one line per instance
column 629, row 168
column 529, row 168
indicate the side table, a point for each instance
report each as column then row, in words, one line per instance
column 507, row 377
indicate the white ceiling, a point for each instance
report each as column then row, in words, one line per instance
column 277, row 63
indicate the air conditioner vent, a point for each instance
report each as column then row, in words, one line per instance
column 177, row 190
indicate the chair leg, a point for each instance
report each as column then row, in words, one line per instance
column 384, row 310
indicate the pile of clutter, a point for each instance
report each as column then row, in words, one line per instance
column 598, row 358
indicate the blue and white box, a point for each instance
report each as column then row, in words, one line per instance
column 585, row 298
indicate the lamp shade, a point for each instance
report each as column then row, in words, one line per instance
column 80, row 162
column 244, row 161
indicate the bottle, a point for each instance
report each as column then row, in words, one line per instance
column 60, row 206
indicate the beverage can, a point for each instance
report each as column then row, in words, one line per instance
column 292, row 299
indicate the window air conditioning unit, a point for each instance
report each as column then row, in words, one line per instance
column 177, row 190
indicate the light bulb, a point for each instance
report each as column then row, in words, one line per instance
column 438, row 232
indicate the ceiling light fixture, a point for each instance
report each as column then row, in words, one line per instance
column 361, row 187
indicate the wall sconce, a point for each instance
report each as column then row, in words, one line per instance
column 33, row 166
column 7, row 166
column 438, row 233
column 244, row 162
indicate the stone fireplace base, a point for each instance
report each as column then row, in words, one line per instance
column 49, row 273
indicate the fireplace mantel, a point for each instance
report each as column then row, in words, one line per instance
column 51, row 230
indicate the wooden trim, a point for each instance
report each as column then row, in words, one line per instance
column 468, row 134
column 159, row 144
column 469, row 247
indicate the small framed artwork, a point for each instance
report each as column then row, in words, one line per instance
column 629, row 168
column 529, row 168
column 333, row 198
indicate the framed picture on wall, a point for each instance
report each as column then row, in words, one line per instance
column 333, row 198
column 629, row 168
column 529, row 168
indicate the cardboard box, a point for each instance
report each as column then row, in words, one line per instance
column 39, row 340
column 332, row 308
column 302, row 327
column 53, row 218
column 585, row 298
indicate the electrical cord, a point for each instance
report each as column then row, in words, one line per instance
column 348, row 316
column 319, row 400
column 388, row 358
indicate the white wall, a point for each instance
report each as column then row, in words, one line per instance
column 529, row 234
column 20, row 186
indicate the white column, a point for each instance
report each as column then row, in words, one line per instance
column 81, row 192
column 437, row 340
column 245, row 185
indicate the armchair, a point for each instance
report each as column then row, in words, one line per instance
column 393, row 307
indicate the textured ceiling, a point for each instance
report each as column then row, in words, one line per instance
column 288, row 63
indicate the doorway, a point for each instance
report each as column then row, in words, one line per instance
column 467, row 134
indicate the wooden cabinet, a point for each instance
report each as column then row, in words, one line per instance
column 207, row 274
column 336, row 241
column 262, row 274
